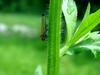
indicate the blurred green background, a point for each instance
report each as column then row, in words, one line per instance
column 22, row 50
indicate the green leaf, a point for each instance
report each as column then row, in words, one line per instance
column 87, row 11
column 92, row 43
column 86, row 26
column 86, row 14
column 38, row 70
column 95, row 35
column 70, row 13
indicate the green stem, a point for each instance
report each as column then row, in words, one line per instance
column 54, row 37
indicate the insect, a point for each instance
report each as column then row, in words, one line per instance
column 44, row 28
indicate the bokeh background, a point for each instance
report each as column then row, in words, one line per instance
column 22, row 50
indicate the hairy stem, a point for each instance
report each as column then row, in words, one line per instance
column 54, row 37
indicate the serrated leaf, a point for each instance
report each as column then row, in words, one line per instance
column 89, row 44
column 87, row 11
column 95, row 35
column 70, row 13
column 86, row 26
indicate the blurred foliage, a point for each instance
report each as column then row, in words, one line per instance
column 31, row 6
column 81, row 5
column 22, row 5
column 20, row 56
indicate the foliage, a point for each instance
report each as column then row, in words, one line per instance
column 91, row 43
column 38, row 70
column 22, row 5
column 81, row 38
column 70, row 17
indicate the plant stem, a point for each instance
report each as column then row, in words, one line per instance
column 54, row 37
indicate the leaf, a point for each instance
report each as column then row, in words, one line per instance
column 89, row 44
column 70, row 13
column 94, row 35
column 38, row 70
column 86, row 14
column 87, row 11
column 86, row 26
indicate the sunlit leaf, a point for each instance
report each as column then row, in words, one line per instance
column 70, row 13
column 92, row 43
column 86, row 26
column 95, row 35
column 87, row 11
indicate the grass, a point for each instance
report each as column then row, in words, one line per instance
column 11, row 19
column 20, row 55
column 18, row 58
